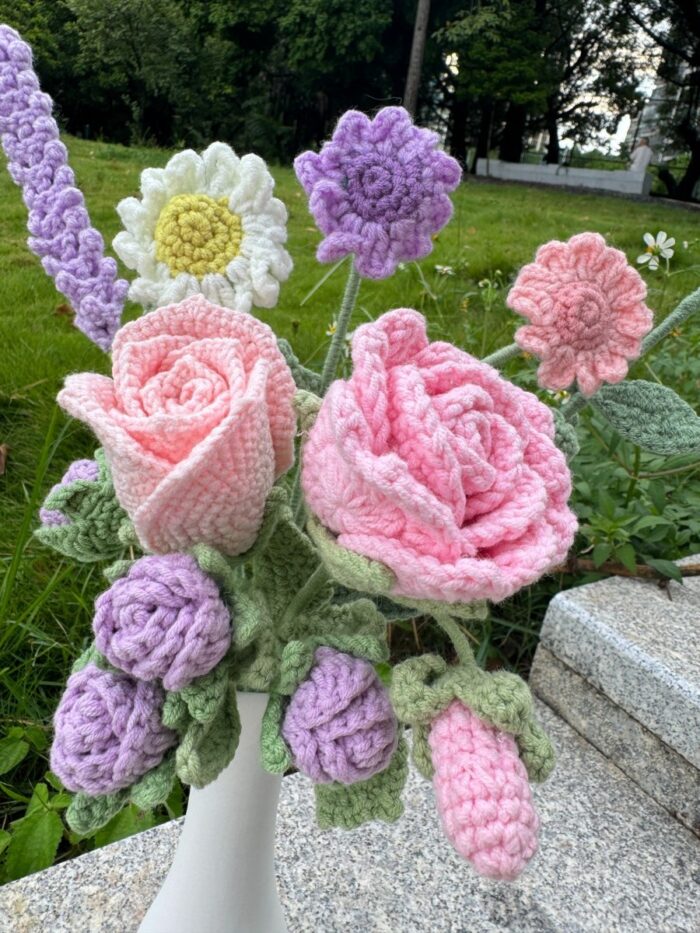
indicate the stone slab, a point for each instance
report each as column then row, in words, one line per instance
column 664, row 774
column 611, row 861
column 639, row 644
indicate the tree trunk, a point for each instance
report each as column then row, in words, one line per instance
column 483, row 141
column 415, row 65
column 553, row 131
column 458, row 129
column 686, row 186
column 512, row 137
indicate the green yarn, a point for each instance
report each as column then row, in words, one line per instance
column 304, row 378
column 350, row 569
column 95, row 518
column 207, row 747
column 565, row 435
column 422, row 687
column 154, row 787
column 356, row 572
column 86, row 814
column 378, row 798
column 650, row 415
column 275, row 757
column 307, row 406
column 420, row 750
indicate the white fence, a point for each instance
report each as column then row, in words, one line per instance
column 621, row 181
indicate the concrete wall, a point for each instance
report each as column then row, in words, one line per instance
column 621, row 181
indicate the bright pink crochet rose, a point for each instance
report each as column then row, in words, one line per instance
column 430, row 462
column 587, row 315
column 196, row 423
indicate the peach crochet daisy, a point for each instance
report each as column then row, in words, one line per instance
column 586, row 309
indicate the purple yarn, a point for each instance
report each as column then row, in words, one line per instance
column 108, row 731
column 71, row 250
column 164, row 620
column 339, row 724
column 378, row 189
column 79, row 469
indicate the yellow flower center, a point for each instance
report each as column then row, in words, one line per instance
column 197, row 234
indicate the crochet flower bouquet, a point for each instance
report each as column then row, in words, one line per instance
column 425, row 484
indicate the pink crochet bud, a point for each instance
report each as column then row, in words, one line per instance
column 483, row 794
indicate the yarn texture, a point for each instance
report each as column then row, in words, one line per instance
column 108, row 731
column 482, row 793
column 427, row 461
column 81, row 517
column 586, row 309
column 348, row 806
column 163, row 621
column 196, row 424
column 650, row 415
column 70, row 249
column 79, row 469
column 206, row 224
column 378, row 189
column 339, row 723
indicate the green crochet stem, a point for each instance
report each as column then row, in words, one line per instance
column 502, row 356
column 318, row 579
column 347, row 306
column 689, row 305
column 457, row 637
column 576, row 403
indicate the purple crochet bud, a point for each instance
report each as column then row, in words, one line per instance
column 164, row 620
column 339, row 724
column 79, row 469
column 108, row 731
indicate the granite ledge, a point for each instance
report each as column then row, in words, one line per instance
column 611, row 861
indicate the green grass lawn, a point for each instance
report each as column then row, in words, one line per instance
column 46, row 603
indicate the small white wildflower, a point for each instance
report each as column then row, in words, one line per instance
column 685, row 244
column 444, row 270
column 332, row 328
column 484, row 283
column 658, row 247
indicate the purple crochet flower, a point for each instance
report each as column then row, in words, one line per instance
column 71, row 250
column 378, row 189
column 339, row 724
column 164, row 620
column 78, row 470
column 108, row 731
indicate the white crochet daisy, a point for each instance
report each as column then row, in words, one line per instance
column 206, row 224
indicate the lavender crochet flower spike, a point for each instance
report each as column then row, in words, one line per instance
column 71, row 250
column 378, row 189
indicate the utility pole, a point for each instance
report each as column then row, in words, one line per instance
column 415, row 65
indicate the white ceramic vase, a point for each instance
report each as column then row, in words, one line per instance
column 222, row 879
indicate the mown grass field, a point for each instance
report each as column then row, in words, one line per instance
column 46, row 603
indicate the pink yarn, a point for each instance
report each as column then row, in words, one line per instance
column 427, row 460
column 196, row 423
column 587, row 315
column 483, row 795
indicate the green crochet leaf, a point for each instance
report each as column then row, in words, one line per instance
column 651, row 416
column 154, row 787
column 275, row 757
column 90, row 656
column 94, row 516
column 390, row 610
column 350, row 569
column 303, row 377
column 422, row 687
column 206, row 748
column 565, row 435
column 307, row 406
column 379, row 798
column 420, row 751
column 356, row 572
column 86, row 814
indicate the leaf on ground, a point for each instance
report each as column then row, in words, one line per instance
column 12, row 751
column 35, row 839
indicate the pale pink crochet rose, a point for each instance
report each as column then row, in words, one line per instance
column 587, row 315
column 430, row 462
column 196, row 423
